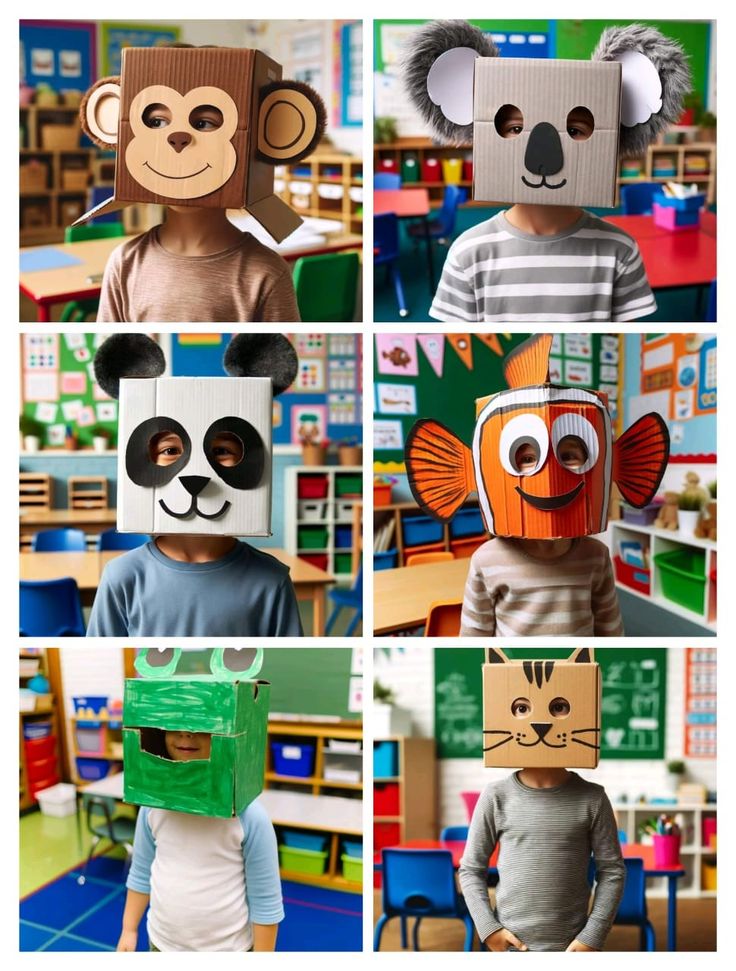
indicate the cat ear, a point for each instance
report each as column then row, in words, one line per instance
column 494, row 655
column 583, row 655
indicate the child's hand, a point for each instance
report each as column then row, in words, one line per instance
column 503, row 940
column 579, row 946
column 128, row 941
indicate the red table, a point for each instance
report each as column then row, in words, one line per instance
column 408, row 204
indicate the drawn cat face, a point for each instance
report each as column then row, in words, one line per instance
column 539, row 714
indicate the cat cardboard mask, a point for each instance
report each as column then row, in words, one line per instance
column 542, row 459
column 194, row 454
column 229, row 705
column 543, row 131
column 202, row 127
column 541, row 714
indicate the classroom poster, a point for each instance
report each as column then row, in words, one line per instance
column 700, row 702
column 116, row 37
column 59, row 53
column 397, row 354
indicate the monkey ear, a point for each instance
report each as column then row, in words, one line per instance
column 99, row 112
column 582, row 655
column 262, row 356
column 438, row 70
column 655, row 77
column 291, row 121
column 127, row 356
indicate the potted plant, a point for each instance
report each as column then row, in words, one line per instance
column 349, row 451
column 31, row 433
column 675, row 774
column 388, row 718
column 713, row 490
column 689, row 507
column 384, row 130
column 314, row 447
column 708, row 126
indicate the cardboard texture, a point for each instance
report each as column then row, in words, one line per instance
column 541, row 714
column 236, row 715
column 546, row 91
column 196, row 406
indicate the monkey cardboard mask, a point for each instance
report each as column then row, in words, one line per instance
column 546, row 131
column 541, row 714
column 542, row 459
column 202, row 127
column 194, row 454
column 229, row 705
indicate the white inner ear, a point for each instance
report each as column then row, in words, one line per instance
column 103, row 112
column 450, row 84
column 641, row 88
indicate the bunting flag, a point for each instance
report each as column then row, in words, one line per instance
column 492, row 341
column 433, row 346
column 463, row 348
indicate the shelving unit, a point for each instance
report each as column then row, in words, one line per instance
column 110, row 750
column 327, row 186
column 414, row 793
column 44, row 711
column 35, row 491
column 680, row 154
column 439, row 538
column 422, row 149
column 87, row 492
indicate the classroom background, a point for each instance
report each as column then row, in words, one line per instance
column 62, row 174
column 665, row 557
column 658, row 755
column 71, row 786
column 435, row 181
column 68, row 468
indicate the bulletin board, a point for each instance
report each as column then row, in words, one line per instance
column 115, row 37
column 324, row 683
column 58, row 390
column 633, row 709
column 59, row 53
column 349, row 64
column 700, row 702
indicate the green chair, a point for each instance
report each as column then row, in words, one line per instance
column 104, row 825
column 77, row 311
column 326, row 287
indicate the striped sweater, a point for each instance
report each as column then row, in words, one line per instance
column 496, row 272
column 510, row 593
column 546, row 839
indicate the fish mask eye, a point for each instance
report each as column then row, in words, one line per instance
column 575, row 443
column 524, row 445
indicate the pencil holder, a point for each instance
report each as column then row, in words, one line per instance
column 666, row 850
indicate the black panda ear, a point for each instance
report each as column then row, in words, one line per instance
column 262, row 356
column 127, row 356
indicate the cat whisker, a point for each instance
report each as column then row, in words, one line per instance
column 579, row 741
column 496, row 731
column 577, row 731
column 503, row 741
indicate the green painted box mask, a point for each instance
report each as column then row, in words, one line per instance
column 235, row 713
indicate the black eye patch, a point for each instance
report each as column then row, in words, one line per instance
column 248, row 473
column 140, row 466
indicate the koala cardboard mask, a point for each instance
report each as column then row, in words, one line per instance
column 194, row 454
column 202, row 127
column 228, row 705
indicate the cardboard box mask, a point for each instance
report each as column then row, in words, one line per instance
column 227, row 705
column 194, row 454
column 202, row 127
column 546, row 132
column 541, row 714
column 542, row 460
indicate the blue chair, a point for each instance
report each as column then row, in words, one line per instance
column 443, row 227
column 386, row 253
column 50, row 608
column 102, row 824
column 111, row 539
column 454, row 833
column 386, row 180
column 419, row 884
column 632, row 911
column 637, row 198
column 59, row 541
column 622, row 837
column 352, row 598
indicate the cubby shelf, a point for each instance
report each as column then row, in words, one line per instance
column 329, row 195
column 444, row 540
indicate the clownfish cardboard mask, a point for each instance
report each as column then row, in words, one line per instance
column 202, row 127
column 194, row 454
column 542, row 458
column 546, row 131
column 541, row 714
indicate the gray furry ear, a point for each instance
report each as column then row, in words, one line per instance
column 437, row 69
column 262, row 356
column 127, row 356
column 655, row 79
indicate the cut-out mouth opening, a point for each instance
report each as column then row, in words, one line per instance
column 550, row 503
column 153, row 741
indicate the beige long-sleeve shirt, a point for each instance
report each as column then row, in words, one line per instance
column 144, row 283
column 510, row 593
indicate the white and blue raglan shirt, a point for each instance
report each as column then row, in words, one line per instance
column 209, row 879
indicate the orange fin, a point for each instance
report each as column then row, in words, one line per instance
column 439, row 467
column 639, row 459
column 528, row 364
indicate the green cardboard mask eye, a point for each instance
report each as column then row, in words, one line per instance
column 232, row 664
column 154, row 662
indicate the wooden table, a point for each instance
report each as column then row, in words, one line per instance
column 92, row 521
column 86, row 568
column 402, row 597
column 408, row 204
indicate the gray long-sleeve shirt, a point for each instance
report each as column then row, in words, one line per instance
column 547, row 837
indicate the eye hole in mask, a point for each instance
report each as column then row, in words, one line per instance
column 158, row 449
column 234, row 449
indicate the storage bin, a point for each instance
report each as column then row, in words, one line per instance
column 683, row 578
column 41, row 769
column 467, row 170
column 34, row 730
column 74, row 180
column 674, row 220
column 382, row 495
column 709, row 877
column 312, row 486
column 431, row 170
column 356, row 193
column 343, row 562
column 92, row 769
column 466, row 522
column 90, row 738
column 352, row 868
column 419, row 530
column 632, row 576
column 343, row 537
column 339, row 767
column 313, row 511
column 293, row 758
column 353, row 848
column 61, row 137
column 58, row 800
column 385, row 760
column 409, row 169
column 327, row 191
column 386, row 560
column 295, row 839
column 33, row 176
column 386, row 834
column 452, row 170
column 344, row 512
column 297, row 860
column 641, row 517
column 388, row 165
column 312, row 537
column 386, row 799
column 464, row 548
column 35, row 787
column 26, row 700
column 320, row 560
column 347, row 746
column 90, row 705
column 350, row 484
column 28, row 667
column 40, row 748
column 708, row 838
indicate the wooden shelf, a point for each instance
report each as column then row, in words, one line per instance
column 395, row 511
column 48, row 711
column 417, row 790
column 678, row 152
column 318, row 207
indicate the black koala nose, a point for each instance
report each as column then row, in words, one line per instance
column 194, row 483
column 541, row 728
column 543, row 154
column 179, row 140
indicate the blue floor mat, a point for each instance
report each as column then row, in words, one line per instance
column 318, row 919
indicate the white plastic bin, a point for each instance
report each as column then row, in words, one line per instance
column 312, row 511
column 59, row 800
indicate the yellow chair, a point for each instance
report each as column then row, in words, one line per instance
column 439, row 556
column 443, row 619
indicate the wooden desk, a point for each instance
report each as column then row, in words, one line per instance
column 91, row 521
column 402, row 597
column 408, row 204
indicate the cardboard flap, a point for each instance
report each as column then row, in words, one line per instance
column 275, row 217
column 107, row 205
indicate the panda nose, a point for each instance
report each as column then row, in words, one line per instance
column 541, row 728
column 543, row 154
column 194, row 483
column 179, row 140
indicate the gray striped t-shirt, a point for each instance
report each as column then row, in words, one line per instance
column 546, row 839
column 495, row 272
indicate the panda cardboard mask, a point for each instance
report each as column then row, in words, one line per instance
column 194, row 454
column 546, row 132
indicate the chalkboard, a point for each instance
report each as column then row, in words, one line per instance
column 634, row 700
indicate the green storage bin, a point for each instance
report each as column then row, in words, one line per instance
column 352, row 868
column 313, row 537
column 683, row 577
column 410, row 169
column 348, row 485
column 296, row 860
column 343, row 562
